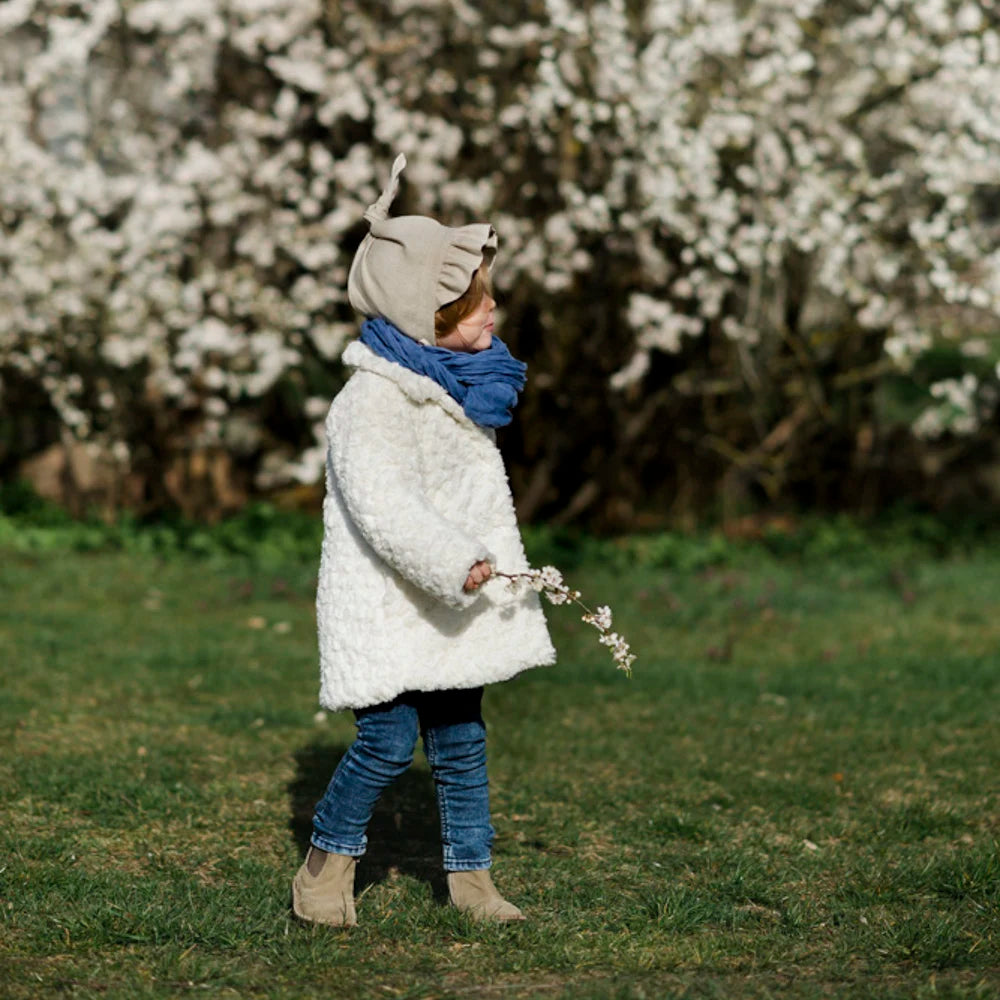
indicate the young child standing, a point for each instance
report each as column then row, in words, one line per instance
column 417, row 512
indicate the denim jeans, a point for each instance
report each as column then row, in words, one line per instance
column 454, row 736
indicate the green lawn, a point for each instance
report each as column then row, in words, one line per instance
column 797, row 795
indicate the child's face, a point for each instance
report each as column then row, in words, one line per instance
column 475, row 332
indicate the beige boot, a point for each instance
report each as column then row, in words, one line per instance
column 328, row 896
column 474, row 893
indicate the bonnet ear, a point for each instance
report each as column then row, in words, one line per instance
column 379, row 211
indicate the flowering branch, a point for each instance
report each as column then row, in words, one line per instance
column 548, row 580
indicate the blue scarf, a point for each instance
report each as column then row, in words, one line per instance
column 485, row 383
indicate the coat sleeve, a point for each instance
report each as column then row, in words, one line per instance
column 373, row 457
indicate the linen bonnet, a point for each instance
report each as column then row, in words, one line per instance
column 409, row 267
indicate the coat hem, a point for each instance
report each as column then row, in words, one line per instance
column 498, row 678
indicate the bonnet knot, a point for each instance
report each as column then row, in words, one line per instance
column 379, row 211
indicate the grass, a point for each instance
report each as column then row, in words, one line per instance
column 796, row 795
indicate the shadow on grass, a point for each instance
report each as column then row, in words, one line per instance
column 404, row 835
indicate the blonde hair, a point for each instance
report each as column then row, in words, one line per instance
column 452, row 313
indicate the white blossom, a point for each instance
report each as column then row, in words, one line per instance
column 548, row 580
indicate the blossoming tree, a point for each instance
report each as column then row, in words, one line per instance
column 770, row 229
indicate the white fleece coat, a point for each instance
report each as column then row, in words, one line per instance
column 416, row 493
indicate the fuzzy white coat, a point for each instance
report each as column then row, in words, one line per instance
column 416, row 493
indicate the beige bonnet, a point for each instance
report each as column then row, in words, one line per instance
column 409, row 267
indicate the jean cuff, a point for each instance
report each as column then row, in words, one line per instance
column 467, row 866
column 332, row 847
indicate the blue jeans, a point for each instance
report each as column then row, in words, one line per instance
column 454, row 736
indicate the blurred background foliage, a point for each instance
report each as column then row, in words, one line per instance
column 266, row 537
column 748, row 250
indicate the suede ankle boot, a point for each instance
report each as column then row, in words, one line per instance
column 326, row 897
column 474, row 893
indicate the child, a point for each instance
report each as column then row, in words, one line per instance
column 417, row 512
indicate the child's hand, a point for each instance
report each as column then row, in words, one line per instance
column 478, row 575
